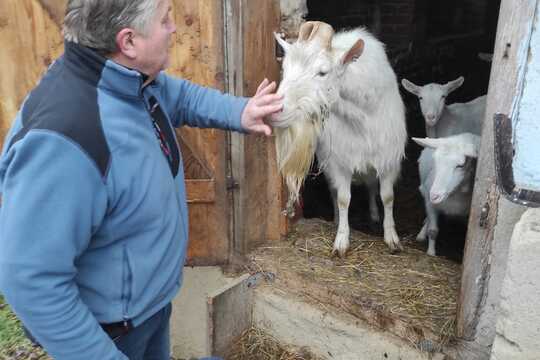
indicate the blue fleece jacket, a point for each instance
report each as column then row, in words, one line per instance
column 93, row 218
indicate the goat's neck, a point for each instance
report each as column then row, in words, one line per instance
column 442, row 127
column 430, row 131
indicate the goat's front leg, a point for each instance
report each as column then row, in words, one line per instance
column 387, row 196
column 421, row 237
column 333, row 194
column 342, row 185
column 432, row 227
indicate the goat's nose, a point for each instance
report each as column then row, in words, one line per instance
column 435, row 198
column 430, row 118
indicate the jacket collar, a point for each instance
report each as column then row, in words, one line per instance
column 103, row 72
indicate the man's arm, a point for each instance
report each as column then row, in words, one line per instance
column 197, row 106
column 52, row 200
column 194, row 105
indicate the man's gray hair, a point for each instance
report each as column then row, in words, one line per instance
column 95, row 23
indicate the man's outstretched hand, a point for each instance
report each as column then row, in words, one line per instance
column 265, row 103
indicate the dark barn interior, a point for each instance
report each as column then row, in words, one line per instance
column 427, row 41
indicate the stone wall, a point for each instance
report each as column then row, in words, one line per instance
column 518, row 322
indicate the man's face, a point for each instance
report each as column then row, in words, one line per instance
column 153, row 48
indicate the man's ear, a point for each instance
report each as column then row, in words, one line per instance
column 125, row 43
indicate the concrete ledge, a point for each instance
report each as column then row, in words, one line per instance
column 297, row 323
column 189, row 320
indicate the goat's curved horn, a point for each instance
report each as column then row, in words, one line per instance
column 316, row 31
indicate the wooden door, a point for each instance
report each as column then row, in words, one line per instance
column 199, row 55
column 30, row 38
column 259, row 196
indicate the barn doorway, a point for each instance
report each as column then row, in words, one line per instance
column 426, row 42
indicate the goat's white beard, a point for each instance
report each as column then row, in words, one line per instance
column 296, row 145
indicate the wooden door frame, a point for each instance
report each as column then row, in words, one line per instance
column 492, row 216
column 257, row 195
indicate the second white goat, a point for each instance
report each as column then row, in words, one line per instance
column 447, row 167
column 444, row 120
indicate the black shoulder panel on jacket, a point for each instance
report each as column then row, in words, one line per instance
column 67, row 103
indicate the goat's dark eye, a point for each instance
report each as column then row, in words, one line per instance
column 421, row 98
column 460, row 166
column 322, row 73
column 444, row 96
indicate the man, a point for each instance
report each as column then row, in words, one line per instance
column 93, row 221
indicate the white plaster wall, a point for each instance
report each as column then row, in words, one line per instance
column 527, row 121
column 508, row 215
column 518, row 323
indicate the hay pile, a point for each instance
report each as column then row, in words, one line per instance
column 409, row 294
column 255, row 344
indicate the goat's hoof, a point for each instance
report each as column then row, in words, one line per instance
column 392, row 240
column 431, row 252
column 420, row 239
column 340, row 253
column 395, row 247
column 396, row 250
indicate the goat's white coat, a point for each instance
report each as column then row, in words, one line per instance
column 446, row 180
column 364, row 132
column 443, row 120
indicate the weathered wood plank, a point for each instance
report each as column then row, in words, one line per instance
column 200, row 191
column 264, row 188
column 198, row 55
column 56, row 10
column 258, row 198
column 235, row 73
column 515, row 25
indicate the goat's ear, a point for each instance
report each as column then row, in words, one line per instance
column 282, row 42
column 453, row 85
column 471, row 149
column 410, row 87
column 426, row 142
column 354, row 52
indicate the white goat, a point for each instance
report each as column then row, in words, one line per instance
column 445, row 120
column 447, row 167
column 344, row 87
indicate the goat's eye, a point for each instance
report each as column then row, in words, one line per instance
column 322, row 73
column 421, row 98
column 444, row 96
column 460, row 166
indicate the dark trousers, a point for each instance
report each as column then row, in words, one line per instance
column 150, row 340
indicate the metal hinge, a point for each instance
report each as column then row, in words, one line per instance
column 257, row 278
column 231, row 183
column 484, row 213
